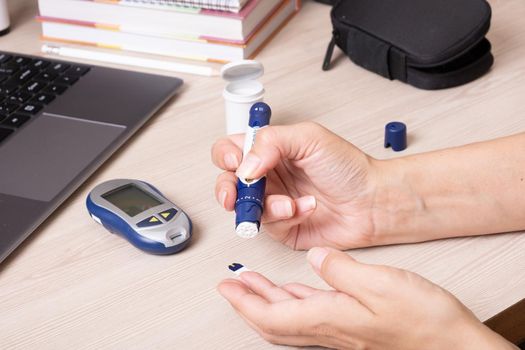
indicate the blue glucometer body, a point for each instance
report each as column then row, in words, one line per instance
column 141, row 214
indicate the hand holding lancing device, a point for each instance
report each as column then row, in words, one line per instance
column 323, row 191
column 311, row 174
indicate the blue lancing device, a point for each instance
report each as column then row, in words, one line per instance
column 250, row 192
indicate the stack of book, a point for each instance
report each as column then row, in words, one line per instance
column 207, row 30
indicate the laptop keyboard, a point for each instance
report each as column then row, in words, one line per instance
column 27, row 84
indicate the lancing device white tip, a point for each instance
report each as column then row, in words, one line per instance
column 237, row 268
column 247, row 229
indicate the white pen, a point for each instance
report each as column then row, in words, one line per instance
column 128, row 60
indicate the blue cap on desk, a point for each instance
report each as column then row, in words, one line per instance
column 396, row 136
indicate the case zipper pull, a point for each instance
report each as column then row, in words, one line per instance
column 329, row 52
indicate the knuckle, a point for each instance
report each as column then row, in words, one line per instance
column 267, row 136
column 361, row 345
column 215, row 149
column 267, row 324
column 269, row 329
column 223, row 180
column 220, row 179
column 227, row 176
column 321, row 330
column 389, row 277
column 270, row 338
column 311, row 125
column 341, row 300
column 218, row 182
column 312, row 128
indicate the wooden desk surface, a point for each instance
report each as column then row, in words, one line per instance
column 73, row 285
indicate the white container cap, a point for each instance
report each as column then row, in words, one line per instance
column 242, row 70
column 241, row 92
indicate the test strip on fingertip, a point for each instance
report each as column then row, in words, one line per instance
column 237, row 268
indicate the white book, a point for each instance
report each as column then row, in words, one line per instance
column 191, row 49
column 176, row 21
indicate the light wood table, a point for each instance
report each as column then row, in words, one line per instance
column 72, row 285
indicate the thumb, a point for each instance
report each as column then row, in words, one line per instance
column 274, row 143
column 344, row 273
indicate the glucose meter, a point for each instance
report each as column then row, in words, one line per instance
column 141, row 214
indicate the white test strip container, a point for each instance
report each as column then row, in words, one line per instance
column 4, row 18
column 241, row 92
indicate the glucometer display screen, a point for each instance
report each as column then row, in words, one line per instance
column 131, row 199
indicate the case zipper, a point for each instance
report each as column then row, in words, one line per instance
column 330, row 51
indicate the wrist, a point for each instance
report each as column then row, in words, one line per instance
column 398, row 209
column 478, row 336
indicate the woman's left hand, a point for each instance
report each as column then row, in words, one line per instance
column 371, row 307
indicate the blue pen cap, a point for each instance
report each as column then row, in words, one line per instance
column 396, row 136
column 260, row 115
column 249, row 203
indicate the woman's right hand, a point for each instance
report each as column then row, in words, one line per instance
column 320, row 188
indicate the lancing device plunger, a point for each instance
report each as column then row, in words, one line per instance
column 250, row 192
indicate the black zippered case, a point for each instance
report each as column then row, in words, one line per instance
column 430, row 44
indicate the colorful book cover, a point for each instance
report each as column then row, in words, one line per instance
column 240, row 44
column 179, row 36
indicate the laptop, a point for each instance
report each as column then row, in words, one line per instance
column 59, row 121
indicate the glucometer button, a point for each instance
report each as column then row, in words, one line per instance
column 151, row 221
column 169, row 214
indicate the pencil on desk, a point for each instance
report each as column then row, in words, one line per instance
column 129, row 60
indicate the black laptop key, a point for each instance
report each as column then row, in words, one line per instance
column 16, row 120
column 20, row 97
column 4, row 133
column 8, row 107
column 46, row 76
column 8, row 87
column 30, row 108
column 77, row 71
column 4, row 57
column 9, row 69
column 34, row 86
column 22, row 61
column 58, row 67
column 3, row 77
column 55, row 89
column 40, row 64
column 25, row 75
column 66, row 79
column 43, row 99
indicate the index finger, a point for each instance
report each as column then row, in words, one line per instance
column 270, row 317
column 242, row 298
column 226, row 153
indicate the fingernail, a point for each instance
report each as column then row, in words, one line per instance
column 305, row 204
column 282, row 209
column 231, row 161
column 316, row 257
column 222, row 198
column 249, row 164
